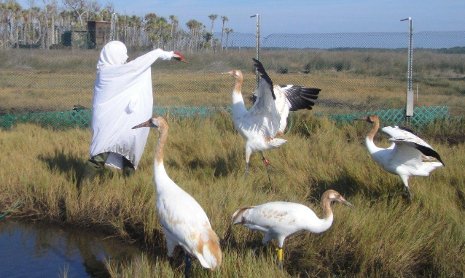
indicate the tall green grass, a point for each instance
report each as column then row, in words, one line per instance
column 384, row 235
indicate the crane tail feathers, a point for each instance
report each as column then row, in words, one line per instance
column 209, row 253
column 428, row 167
column 276, row 142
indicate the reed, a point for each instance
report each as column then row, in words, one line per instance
column 383, row 235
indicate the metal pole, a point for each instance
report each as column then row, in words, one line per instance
column 257, row 41
column 410, row 93
column 113, row 19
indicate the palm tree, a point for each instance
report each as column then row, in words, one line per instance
column 13, row 12
column 223, row 19
column 174, row 25
column 196, row 29
column 212, row 17
column 227, row 31
column 151, row 27
column 49, row 17
column 162, row 31
column 106, row 12
column 79, row 8
column 135, row 30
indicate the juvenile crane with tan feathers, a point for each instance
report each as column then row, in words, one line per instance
column 183, row 220
column 408, row 155
column 278, row 220
column 261, row 125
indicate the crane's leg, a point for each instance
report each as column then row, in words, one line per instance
column 248, row 153
column 280, row 255
column 267, row 166
column 187, row 267
column 406, row 187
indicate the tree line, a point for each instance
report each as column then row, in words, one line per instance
column 43, row 27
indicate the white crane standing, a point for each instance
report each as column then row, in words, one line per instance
column 183, row 220
column 278, row 220
column 267, row 118
column 408, row 155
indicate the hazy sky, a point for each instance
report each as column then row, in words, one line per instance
column 306, row 16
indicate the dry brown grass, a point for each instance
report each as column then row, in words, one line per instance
column 41, row 80
column 382, row 236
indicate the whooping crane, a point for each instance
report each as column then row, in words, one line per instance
column 278, row 220
column 267, row 118
column 408, row 155
column 183, row 220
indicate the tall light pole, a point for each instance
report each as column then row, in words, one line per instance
column 409, row 106
column 113, row 20
column 257, row 42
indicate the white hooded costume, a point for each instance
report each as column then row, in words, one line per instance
column 122, row 99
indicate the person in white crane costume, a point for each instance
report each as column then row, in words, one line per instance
column 122, row 98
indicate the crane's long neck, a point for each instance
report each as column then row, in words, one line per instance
column 159, row 168
column 322, row 224
column 238, row 106
column 328, row 216
column 369, row 140
column 371, row 134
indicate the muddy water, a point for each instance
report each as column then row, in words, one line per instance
column 37, row 250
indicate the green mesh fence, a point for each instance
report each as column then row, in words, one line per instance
column 80, row 118
column 422, row 115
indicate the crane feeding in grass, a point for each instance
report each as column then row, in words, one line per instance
column 261, row 125
column 278, row 220
column 183, row 220
column 408, row 155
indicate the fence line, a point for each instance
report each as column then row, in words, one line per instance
column 357, row 72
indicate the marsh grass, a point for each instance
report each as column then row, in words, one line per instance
column 384, row 235
column 351, row 80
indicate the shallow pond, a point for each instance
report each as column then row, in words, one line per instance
column 38, row 250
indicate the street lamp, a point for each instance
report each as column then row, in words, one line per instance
column 409, row 107
column 257, row 42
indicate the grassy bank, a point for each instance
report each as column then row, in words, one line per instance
column 382, row 236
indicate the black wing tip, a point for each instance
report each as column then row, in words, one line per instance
column 259, row 66
column 310, row 93
column 301, row 97
column 313, row 91
column 263, row 74
column 429, row 152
